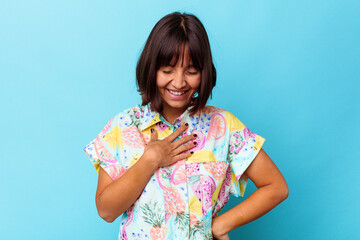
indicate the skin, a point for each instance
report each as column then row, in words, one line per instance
column 272, row 190
column 115, row 197
column 180, row 77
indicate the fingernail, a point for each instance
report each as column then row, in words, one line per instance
column 195, row 143
column 186, row 124
column 192, row 152
column 152, row 130
column 195, row 135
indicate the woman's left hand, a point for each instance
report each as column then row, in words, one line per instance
column 222, row 237
column 216, row 230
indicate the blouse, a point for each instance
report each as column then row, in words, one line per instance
column 180, row 200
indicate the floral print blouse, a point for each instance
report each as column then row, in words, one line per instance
column 180, row 200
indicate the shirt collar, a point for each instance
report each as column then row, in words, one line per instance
column 153, row 117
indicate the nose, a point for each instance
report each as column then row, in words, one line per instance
column 179, row 80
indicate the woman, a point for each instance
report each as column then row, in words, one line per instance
column 169, row 165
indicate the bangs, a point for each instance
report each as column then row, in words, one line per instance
column 173, row 48
column 173, row 37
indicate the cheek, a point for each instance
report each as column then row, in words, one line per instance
column 161, row 81
column 195, row 82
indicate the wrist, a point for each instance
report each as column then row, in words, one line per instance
column 218, row 227
column 149, row 162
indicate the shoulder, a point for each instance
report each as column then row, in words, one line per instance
column 232, row 122
column 131, row 116
column 213, row 111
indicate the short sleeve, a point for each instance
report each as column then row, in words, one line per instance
column 103, row 150
column 244, row 145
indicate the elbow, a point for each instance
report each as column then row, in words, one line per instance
column 106, row 217
column 283, row 191
column 104, row 213
column 279, row 192
column 109, row 220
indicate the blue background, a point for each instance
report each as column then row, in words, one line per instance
column 289, row 70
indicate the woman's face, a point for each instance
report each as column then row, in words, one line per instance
column 177, row 84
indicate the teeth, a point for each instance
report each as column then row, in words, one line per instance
column 176, row 93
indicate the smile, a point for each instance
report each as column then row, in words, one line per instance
column 176, row 93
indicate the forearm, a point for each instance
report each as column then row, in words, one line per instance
column 122, row 193
column 256, row 205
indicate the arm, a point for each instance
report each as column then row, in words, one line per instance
column 272, row 190
column 113, row 198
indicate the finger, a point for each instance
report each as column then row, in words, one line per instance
column 183, row 156
column 185, row 139
column 184, row 148
column 177, row 132
column 153, row 135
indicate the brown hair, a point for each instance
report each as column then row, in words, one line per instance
column 163, row 46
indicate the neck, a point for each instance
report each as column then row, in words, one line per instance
column 170, row 114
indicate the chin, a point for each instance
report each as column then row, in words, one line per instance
column 177, row 104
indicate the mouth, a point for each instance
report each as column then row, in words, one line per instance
column 177, row 93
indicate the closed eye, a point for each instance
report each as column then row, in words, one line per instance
column 192, row 72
